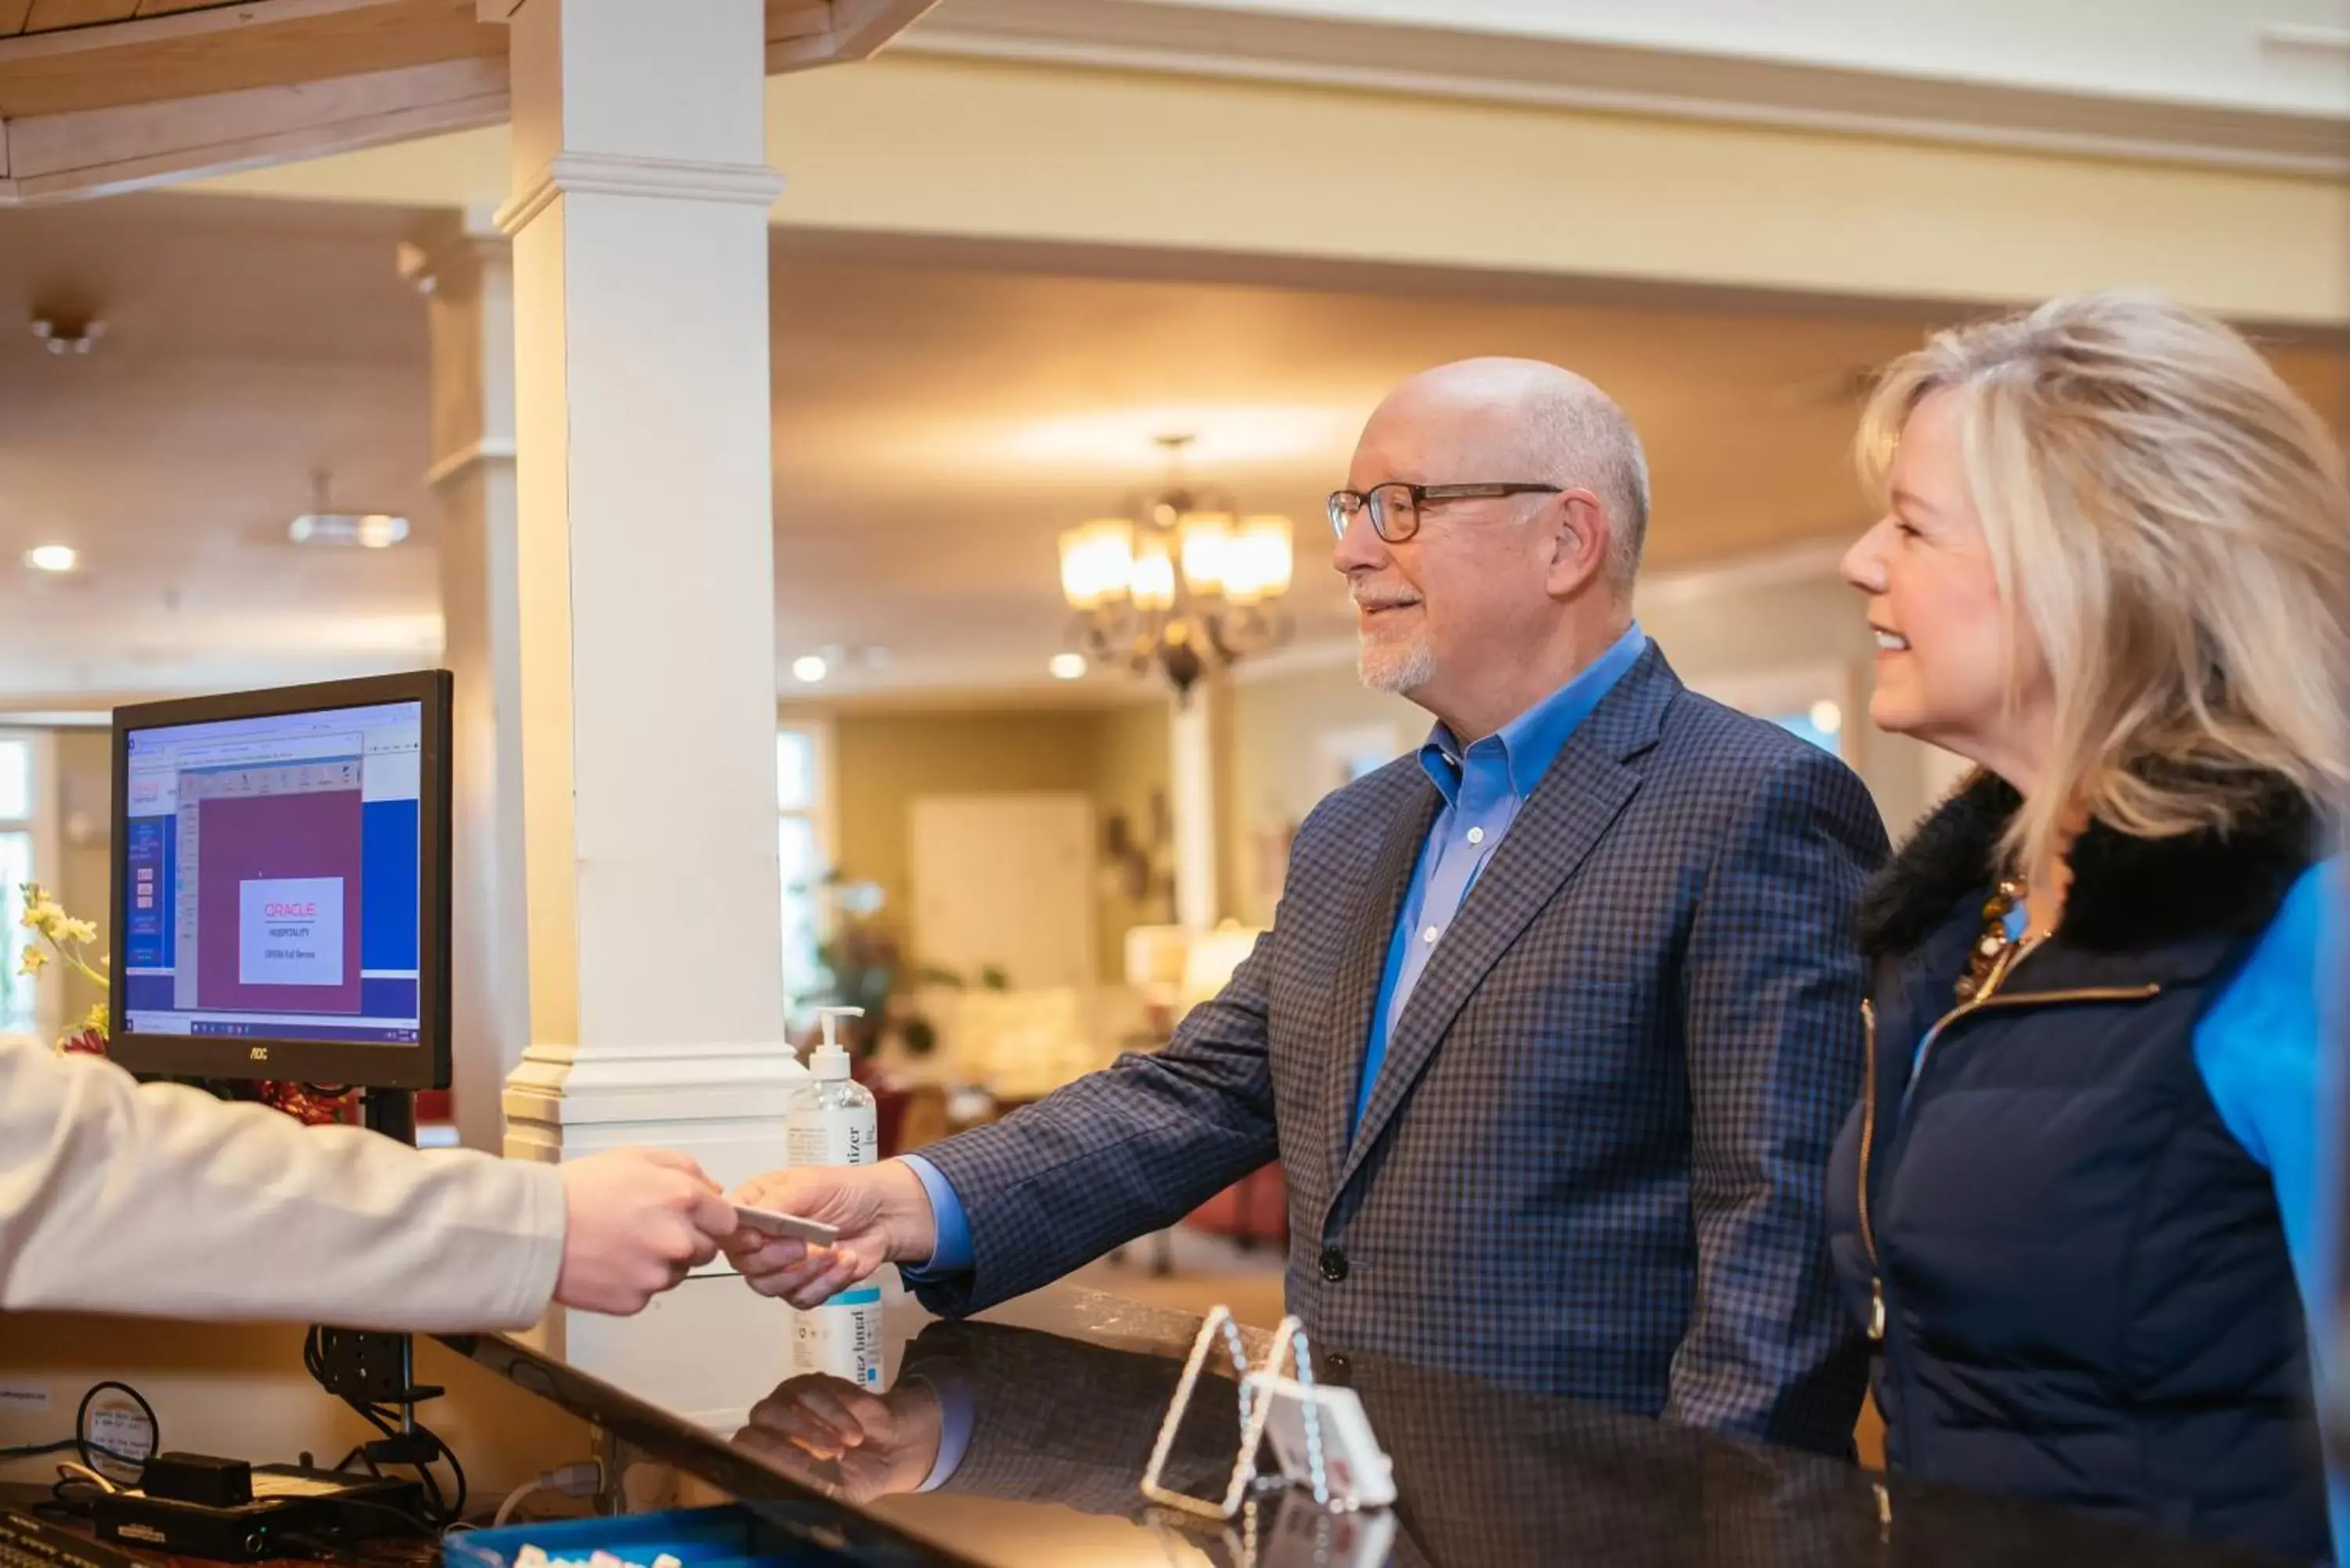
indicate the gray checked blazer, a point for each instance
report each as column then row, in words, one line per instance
column 1593, row 1161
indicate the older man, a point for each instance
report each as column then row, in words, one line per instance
column 1557, row 1018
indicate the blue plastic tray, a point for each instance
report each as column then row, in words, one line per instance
column 730, row 1536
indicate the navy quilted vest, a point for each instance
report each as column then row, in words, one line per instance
column 2081, row 1276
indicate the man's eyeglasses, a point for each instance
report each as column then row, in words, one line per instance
column 1395, row 507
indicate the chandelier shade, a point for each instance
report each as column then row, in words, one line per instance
column 1182, row 584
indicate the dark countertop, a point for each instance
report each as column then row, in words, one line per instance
column 1066, row 1390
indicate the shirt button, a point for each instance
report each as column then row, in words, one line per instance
column 1476, row 836
column 1335, row 1266
column 1429, row 935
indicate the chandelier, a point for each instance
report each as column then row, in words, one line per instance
column 1184, row 584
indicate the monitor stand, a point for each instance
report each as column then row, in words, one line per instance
column 374, row 1372
column 391, row 1112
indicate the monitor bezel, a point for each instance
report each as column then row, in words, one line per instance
column 422, row 1066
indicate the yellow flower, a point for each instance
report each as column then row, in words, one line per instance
column 34, row 962
column 72, row 930
column 95, row 1018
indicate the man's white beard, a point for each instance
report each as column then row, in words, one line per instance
column 1397, row 668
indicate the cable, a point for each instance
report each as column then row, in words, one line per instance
column 72, row 1472
column 583, row 1480
column 34, row 1451
column 441, row 1509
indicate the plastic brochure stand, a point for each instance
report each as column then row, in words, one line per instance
column 1322, row 1439
column 1285, row 1530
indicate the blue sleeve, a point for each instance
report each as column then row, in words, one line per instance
column 2260, row 1052
column 958, row 1413
column 952, row 1255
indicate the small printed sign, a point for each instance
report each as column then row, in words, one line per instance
column 290, row 932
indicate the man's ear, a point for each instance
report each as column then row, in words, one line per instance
column 1579, row 534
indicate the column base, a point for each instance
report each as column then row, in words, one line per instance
column 710, row 1348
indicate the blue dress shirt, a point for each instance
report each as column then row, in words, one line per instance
column 1483, row 785
column 2261, row 1052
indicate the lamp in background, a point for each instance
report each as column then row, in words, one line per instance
column 1175, row 969
column 1184, row 584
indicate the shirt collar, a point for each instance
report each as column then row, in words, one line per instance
column 1530, row 742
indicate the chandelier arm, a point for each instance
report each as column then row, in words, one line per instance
column 1197, row 628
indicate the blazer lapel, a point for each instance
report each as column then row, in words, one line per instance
column 1370, row 918
column 1561, row 822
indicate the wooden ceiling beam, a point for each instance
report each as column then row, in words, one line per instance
column 151, row 27
column 857, row 31
column 106, row 150
column 138, row 92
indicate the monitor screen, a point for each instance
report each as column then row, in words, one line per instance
column 275, row 883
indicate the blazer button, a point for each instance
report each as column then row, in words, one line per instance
column 1334, row 1265
column 1336, row 1367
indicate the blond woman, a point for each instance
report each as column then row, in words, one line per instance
column 2074, row 1212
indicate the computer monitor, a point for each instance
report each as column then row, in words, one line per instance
column 280, row 883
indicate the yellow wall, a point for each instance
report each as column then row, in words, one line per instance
column 1001, row 151
column 1817, row 621
column 84, row 763
column 1131, row 766
column 1275, row 769
column 883, row 761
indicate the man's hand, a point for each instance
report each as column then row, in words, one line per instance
column 638, row 1221
column 880, row 1210
column 830, row 1433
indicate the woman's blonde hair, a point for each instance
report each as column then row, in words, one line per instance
column 2173, row 522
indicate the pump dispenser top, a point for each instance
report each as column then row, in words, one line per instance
column 828, row 1060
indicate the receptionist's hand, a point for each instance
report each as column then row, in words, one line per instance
column 829, row 1433
column 636, row 1222
column 881, row 1211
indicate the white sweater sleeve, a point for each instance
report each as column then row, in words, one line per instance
column 162, row 1201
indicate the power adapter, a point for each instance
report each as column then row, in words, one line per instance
column 203, row 1478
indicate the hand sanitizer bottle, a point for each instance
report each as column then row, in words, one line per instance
column 829, row 1121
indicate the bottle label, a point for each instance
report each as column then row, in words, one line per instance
column 840, row 1136
column 842, row 1339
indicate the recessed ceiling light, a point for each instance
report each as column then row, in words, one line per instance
column 52, row 558
column 808, row 669
column 1826, row 718
column 1068, row 666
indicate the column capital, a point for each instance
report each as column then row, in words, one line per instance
column 614, row 175
column 449, row 247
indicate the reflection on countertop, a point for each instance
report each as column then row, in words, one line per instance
column 1021, row 1438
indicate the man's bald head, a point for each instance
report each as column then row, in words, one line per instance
column 1503, row 419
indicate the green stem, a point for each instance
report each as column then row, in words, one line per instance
column 74, row 959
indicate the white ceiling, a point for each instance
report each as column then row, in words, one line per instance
column 937, row 421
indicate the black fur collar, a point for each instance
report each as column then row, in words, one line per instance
column 2126, row 894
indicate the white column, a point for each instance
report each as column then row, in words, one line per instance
column 645, row 605
column 466, row 274
column 1194, row 728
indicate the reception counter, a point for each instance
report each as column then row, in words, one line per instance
column 1020, row 1439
